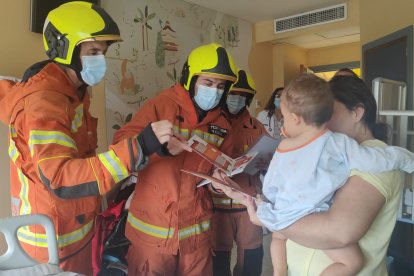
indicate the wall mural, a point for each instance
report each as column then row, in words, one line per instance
column 157, row 37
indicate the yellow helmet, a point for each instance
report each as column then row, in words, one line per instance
column 244, row 83
column 73, row 23
column 211, row 59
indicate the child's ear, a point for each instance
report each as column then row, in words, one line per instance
column 296, row 118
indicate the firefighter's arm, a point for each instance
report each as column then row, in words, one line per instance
column 171, row 144
column 59, row 165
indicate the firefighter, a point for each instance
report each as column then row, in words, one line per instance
column 52, row 135
column 231, row 221
column 169, row 218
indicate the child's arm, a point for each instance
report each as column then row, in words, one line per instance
column 377, row 159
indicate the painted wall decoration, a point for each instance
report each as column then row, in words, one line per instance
column 157, row 37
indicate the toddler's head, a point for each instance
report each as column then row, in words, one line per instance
column 309, row 97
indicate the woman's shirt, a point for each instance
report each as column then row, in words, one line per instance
column 303, row 261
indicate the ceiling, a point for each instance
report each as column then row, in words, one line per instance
column 262, row 10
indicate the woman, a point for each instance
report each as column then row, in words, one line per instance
column 271, row 116
column 371, row 217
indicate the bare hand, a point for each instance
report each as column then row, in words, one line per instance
column 163, row 130
column 178, row 144
column 235, row 195
column 252, row 210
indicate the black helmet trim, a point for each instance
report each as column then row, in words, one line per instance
column 223, row 67
column 242, row 83
column 58, row 43
column 110, row 28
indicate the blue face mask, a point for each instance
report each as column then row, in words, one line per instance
column 93, row 69
column 207, row 98
column 235, row 103
column 277, row 103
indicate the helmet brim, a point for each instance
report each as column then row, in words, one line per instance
column 115, row 38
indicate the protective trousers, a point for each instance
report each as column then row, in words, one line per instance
column 236, row 225
column 154, row 263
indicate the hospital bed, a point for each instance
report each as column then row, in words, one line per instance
column 15, row 261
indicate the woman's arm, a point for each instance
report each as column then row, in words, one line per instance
column 354, row 208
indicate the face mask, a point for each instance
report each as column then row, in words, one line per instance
column 277, row 103
column 93, row 69
column 208, row 98
column 235, row 103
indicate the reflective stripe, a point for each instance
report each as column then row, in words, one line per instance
column 13, row 132
column 208, row 137
column 43, row 137
column 37, row 239
column 25, row 208
column 225, row 201
column 222, row 201
column 77, row 120
column 13, row 153
column 193, row 230
column 183, row 131
column 113, row 164
column 149, row 229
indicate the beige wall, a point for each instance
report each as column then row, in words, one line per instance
column 382, row 17
column 261, row 68
column 294, row 57
column 334, row 54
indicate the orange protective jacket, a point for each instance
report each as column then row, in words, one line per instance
column 168, row 211
column 247, row 130
column 54, row 170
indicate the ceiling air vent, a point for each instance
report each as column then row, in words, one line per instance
column 310, row 19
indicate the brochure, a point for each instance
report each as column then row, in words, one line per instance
column 220, row 160
column 208, row 179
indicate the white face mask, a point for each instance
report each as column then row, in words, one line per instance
column 235, row 103
column 208, row 98
column 93, row 69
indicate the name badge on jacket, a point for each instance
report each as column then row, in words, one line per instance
column 213, row 129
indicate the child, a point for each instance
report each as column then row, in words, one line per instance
column 309, row 166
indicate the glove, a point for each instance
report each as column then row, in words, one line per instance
column 148, row 141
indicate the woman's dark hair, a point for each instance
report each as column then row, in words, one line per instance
column 270, row 106
column 353, row 93
column 345, row 72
